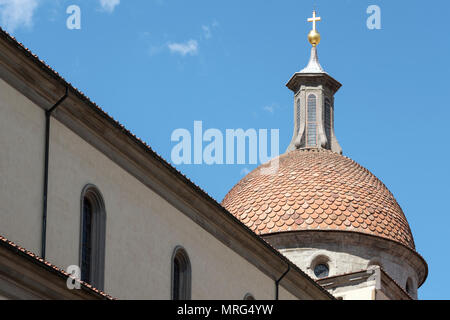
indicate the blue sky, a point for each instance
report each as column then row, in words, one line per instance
column 159, row 65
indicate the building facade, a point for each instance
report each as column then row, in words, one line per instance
column 78, row 189
column 329, row 215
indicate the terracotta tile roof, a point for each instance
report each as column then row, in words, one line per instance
column 45, row 264
column 318, row 190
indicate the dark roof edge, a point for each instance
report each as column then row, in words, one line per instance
column 30, row 256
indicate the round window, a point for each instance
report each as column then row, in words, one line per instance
column 321, row 271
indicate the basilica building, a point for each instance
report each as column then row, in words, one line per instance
column 89, row 211
column 330, row 216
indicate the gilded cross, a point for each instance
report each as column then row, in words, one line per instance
column 314, row 19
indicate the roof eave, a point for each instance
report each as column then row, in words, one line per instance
column 298, row 78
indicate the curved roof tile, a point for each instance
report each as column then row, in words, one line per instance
column 318, row 190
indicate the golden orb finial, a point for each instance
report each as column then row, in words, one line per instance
column 314, row 35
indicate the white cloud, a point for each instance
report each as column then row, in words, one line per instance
column 109, row 5
column 17, row 13
column 189, row 47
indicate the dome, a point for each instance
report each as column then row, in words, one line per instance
column 318, row 189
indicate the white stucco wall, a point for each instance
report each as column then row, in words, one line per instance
column 142, row 231
column 367, row 293
column 142, row 228
column 21, row 168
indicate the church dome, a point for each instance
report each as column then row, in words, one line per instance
column 317, row 189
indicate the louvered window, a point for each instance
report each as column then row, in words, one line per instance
column 327, row 120
column 312, row 121
column 298, row 115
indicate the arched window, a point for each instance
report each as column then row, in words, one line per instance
column 321, row 270
column 320, row 266
column 93, row 229
column 298, row 115
column 249, row 297
column 327, row 120
column 409, row 287
column 181, row 275
column 311, row 138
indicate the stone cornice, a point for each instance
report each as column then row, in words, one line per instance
column 299, row 79
column 382, row 280
column 308, row 237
